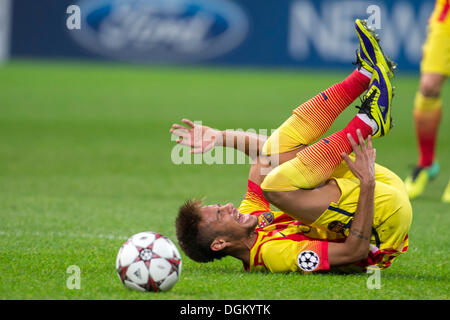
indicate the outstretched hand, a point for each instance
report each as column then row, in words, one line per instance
column 200, row 138
column 364, row 165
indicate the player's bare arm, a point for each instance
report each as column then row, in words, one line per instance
column 356, row 246
column 202, row 138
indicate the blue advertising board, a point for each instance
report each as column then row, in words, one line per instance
column 288, row 33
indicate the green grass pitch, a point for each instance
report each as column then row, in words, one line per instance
column 85, row 162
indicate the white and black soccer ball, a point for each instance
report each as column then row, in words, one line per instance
column 148, row 261
column 308, row 260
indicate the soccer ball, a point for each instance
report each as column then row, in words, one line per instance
column 148, row 261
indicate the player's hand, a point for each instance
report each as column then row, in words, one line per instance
column 364, row 165
column 200, row 138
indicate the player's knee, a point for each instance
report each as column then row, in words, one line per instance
column 276, row 180
column 430, row 85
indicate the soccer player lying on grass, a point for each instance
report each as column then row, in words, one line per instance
column 335, row 214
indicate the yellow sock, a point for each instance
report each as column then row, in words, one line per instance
column 427, row 116
column 426, row 103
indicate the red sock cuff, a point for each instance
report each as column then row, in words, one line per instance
column 355, row 84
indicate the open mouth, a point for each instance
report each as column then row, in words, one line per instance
column 240, row 218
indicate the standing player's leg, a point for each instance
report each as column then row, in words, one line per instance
column 435, row 68
column 427, row 117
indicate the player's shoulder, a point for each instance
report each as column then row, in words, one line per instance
column 254, row 200
column 255, row 189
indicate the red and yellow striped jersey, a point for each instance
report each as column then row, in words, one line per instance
column 441, row 14
column 283, row 244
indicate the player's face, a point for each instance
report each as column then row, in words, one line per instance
column 226, row 219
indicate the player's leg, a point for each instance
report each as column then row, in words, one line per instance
column 284, row 186
column 313, row 118
column 435, row 68
column 427, row 117
column 314, row 164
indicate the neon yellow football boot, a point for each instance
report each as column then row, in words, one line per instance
column 378, row 100
column 370, row 52
column 417, row 182
column 446, row 194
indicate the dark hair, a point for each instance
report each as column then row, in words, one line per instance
column 195, row 244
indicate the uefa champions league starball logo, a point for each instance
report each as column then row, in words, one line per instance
column 308, row 260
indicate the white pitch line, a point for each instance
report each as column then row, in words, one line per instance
column 19, row 233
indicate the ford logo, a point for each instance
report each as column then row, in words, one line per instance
column 161, row 30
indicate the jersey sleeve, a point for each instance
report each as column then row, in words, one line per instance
column 254, row 201
column 289, row 256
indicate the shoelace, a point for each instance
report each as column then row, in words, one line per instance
column 366, row 102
